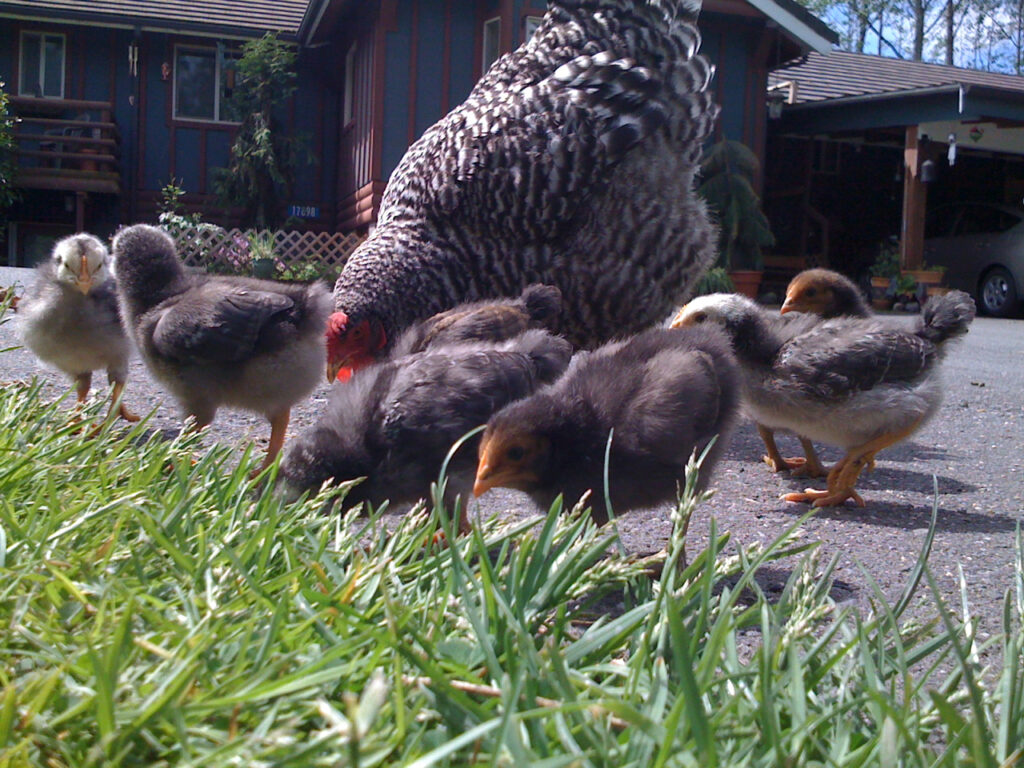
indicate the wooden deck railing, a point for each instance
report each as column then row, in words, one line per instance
column 66, row 144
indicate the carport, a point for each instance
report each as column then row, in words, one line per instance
column 860, row 145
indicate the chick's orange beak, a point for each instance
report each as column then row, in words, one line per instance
column 789, row 305
column 84, row 281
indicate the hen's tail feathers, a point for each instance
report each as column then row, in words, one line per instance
column 550, row 354
column 946, row 316
column 542, row 302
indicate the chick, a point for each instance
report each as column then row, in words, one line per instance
column 219, row 341
column 851, row 382
column 824, row 293
column 662, row 394
column 69, row 318
column 827, row 294
column 395, row 422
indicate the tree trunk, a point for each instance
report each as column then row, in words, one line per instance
column 917, row 8
column 950, row 31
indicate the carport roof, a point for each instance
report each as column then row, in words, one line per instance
column 238, row 17
column 854, row 91
column 843, row 74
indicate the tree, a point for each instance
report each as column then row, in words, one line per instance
column 8, row 193
column 260, row 172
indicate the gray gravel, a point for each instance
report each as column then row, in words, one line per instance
column 972, row 447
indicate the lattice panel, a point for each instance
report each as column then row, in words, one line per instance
column 228, row 249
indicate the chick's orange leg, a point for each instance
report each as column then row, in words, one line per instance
column 811, row 466
column 798, row 464
column 278, row 427
column 122, row 409
column 844, row 475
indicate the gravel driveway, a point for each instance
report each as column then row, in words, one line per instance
column 972, row 447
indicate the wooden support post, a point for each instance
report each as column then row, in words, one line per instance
column 915, row 195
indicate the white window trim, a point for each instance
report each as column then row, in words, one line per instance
column 528, row 22
column 216, row 91
column 490, row 24
column 42, row 59
column 349, row 97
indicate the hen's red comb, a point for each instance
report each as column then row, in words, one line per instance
column 337, row 323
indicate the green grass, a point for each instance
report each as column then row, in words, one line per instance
column 157, row 608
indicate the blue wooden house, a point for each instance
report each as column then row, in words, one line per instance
column 118, row 98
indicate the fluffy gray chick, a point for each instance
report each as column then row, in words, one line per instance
column 69, row 317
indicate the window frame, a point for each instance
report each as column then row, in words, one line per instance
column 43, row 35
column 348, row 105
column 218, row 77
column 493, row 23
column 528, row 21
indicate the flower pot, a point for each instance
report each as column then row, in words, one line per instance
column 881, row 303
column 263, row 268
column 937, row 290
column 925, row 276
column 746, row 281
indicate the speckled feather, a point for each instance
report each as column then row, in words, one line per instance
column 570, row 163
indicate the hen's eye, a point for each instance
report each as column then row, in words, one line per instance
column 811, row 293
column 700, row 317
column 516, row 453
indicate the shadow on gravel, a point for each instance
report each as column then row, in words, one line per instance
column 910, row 517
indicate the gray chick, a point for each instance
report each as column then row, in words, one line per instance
column 69, row 317
column 216, row 340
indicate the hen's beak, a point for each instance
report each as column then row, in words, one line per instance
column 788, row 306
column 338, row 370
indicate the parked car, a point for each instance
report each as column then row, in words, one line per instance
column 981, row 245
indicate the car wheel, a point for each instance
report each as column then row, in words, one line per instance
column 997, row 295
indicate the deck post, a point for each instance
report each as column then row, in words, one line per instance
column 915, row 195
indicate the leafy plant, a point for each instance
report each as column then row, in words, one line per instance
column 715, row 280
column 9, row 194
column 728, row 172
column 887, row 262
column 260, row 172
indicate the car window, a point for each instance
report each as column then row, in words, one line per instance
column 981, row 219
column 940, row 223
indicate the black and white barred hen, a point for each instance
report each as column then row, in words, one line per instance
column 571, row 163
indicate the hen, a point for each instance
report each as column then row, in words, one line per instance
column 69, row 318
column 220, row 341
column 827, row 294
column 851, row 382
column 662, row 395
column 571, row 163
column 395, row 422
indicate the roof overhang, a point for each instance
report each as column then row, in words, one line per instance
column 953, row 102
column 140, row 23
column 799, row 24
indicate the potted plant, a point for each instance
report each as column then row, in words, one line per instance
column 261, row 248
column 884, row 271
column 728, row 172
column 905, row 289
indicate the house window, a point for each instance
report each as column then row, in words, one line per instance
column 530, row 26
column 203, row 79
column 348, row 107
column 492, row 42
column 42, row 65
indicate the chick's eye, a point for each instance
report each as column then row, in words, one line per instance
column 516, row 453
column 811, row 293
column 700, row 317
